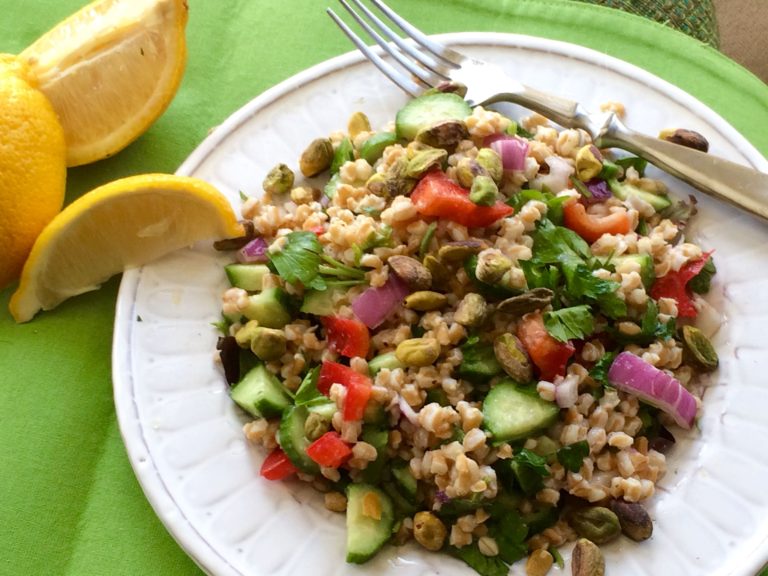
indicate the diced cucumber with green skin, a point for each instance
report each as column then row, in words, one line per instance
column 511, row 414
column 647, row 271
column 269, row 308
column 320, row 302
column 330, row 188
column 387, row 360
column 260, row 393
column 479, row 362
column 293, row 440
column 427, row 110
column 623, row 190
column 324, row 409
column 345, row 152
column 373, row 147
column 247, row 276
column 366, row 534
column 405, row 480
column 402, row 505
column 379, row 439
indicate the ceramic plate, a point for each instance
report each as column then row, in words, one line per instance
column 183, row 434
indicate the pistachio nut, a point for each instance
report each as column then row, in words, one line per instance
column 484, row 191
column 411, row 271
column 317, row 157
column 304, row 194
column 444, row 134
column 279, row 180
column 683, row 137
column 377, row 184
column 424, row 161
column 586, row 559
column 439, row 272
column 512, row 357
column 471, row 311
column 396, row 182
column 699, row 349
column 491, row 265
column 635, row 521
column 425, row 300
column 467, row 170
column 429, row 530
column 490, row 161
column 244, row 334
column 530, row 301
column 597, row 523
column 589, row 162
column 357, row 124
column 417, row 352
column 455, row 252
column 414, row 147
column 249, row 233
column 268, row 343
column 315, row 426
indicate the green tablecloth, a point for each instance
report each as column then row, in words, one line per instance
column 69, row 502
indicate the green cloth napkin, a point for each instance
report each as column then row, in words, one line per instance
column 69, row 502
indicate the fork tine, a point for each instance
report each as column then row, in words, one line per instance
column 450, row 57
column 406, row 84
column 426, row 61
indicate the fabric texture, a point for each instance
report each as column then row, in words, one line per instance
column 70, row 504
column 693, row 17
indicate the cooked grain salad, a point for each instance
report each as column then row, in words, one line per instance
column 478, row 334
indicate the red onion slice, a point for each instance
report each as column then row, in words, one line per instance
column 407, row 411
column 599, row 190
column 253, row 252
column 634, row 375
column 512, row 151
column 374, row 305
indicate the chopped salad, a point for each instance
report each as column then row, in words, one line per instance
column 472, row 333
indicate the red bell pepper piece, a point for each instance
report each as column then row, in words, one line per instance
column 347, row 336
column 674, row 285
column 550, row 356
column 358, row 387
column 439, row 196
column 277, row 466
column 329, row 450
column 590, row 226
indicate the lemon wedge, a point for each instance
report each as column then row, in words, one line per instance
column 120, row 225
column 110, row 70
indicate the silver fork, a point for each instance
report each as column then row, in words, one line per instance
column 429, row 64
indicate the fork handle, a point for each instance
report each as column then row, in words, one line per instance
column 743, row 187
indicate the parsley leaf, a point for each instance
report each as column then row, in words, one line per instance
column 478, row 360
column 565, row 324
column 554, row 203
column 510, row 533
column 572, row 456
column 702, row 282
column 308, row 394
column 299, row 260
column 599, row 372
column 529, row 469
column 483, row 565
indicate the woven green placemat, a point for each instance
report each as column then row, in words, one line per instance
column 694, row 17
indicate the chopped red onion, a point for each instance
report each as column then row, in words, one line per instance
column 253, row 252
column 374, row 305
column 442, row 497
column 599, row 190
column 636, row 376
column 512, row 151
column 567, row 391
column 407, row 411
column 557, row 179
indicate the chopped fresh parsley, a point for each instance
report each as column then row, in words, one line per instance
column 302, row 260
column 478, row 360
column 574, row 323
column 427, row 239
column 554, row 203
column 479, row 562
column 572, row 456
column 510, row 533
column 308, row 394
column 599, row 372
column 702, row 282
column 376, row 239
column 529, row 469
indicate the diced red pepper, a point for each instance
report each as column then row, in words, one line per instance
column 329, row 450
column 439, row 196
column 318, row 230
column 347, row 336
column 358, row 388
column 277, row 466
column 674, row 285
column 550, row 356
column 590, row 226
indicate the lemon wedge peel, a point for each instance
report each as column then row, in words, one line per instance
column 110, row 70
column 123, row 224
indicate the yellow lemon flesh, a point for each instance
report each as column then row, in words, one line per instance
column 120, row 225
column 32, row 166
column 110, row 70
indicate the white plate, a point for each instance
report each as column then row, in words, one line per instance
column 183, row 434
